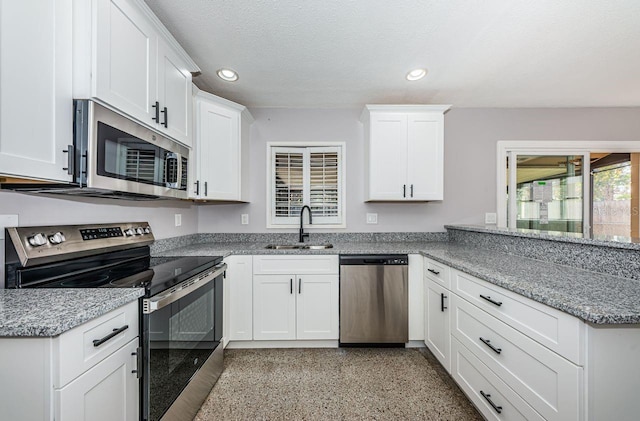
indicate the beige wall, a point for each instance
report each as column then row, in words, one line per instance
column 40, row 210
column 470, row 171
column 470, row 160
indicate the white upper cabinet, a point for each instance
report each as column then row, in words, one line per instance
column 404, row 147
column 125, row 54
column 174, row 94
column 135, row 65
column 36, row 110
column 221, row 150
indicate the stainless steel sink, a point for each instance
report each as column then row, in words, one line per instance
column 299, row 246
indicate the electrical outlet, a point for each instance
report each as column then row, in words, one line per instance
column 490, row 218
column 7, row 221
column 178, row 219
column 244, row 218
column 372, row 218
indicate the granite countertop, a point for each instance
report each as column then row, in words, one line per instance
column 593, row 297
column 51, row 312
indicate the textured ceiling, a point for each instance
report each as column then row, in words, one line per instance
column 346, row 53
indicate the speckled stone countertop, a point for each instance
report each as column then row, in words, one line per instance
column 51, row 312
column 611, row 241
column 593, row 297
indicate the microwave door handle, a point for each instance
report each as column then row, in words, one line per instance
column 178, row 175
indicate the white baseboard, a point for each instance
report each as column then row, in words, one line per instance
column 282, row 344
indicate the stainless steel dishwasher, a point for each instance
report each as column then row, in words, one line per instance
column 374, row 300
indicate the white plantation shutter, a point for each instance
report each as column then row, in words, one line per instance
column 306, row 176
column 289, row 183
column 323, row 184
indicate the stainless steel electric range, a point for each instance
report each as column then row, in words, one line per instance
column 180, row 313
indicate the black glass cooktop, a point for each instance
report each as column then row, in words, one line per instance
column 155, row 274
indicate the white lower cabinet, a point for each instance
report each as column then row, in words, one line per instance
column 239, row 298
column 295, row 307
column 109, row 391
column 517, row 359
column 295, row 298
column 437, row 331
column 495, row 400
column 82, row 374
column 548, row 382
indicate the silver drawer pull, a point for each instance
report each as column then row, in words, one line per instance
column 98, row 342
column 487, row 396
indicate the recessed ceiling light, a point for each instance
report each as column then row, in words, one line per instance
column 228, row 75
column 416, row 74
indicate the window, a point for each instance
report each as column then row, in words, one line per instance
column 587, row 187
column 306, row 175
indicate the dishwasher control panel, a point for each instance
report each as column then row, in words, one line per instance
column 373, row 259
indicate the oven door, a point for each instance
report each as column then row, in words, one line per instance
column 181, row 334
column 121, row 155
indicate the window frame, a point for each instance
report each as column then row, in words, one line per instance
column 511, row 148
column 294, row 222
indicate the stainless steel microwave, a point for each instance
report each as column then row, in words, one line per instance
column 114, row 156
column 117, row 154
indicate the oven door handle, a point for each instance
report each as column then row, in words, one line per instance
column 149, row 305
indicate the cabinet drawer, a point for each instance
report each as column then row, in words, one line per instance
column 552, row 328
column 438, row 272
column 549, row 383
column 75, row 352
column 296, row 265
column 483, row 387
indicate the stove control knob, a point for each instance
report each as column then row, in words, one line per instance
column 129, row 232
column 139, row 231
column 57, row 238
column 37, row 240
column 147, row 230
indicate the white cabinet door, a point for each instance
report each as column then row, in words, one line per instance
column 218, row 145
column 126, row 62
column 274, row 307
column 36, row 110
column 388, row 157
column 174, row 95
column 438, row 330
column 240, row 315
column 425, row 135
column 317, row 307
column 107, row 392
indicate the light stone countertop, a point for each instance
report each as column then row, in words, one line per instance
column 593, row 297
column 51, row 312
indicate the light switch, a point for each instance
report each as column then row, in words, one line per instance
column 178, row 219
column 372, row 218
column 245, row 219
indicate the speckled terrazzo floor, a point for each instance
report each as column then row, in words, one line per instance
column 335, row 384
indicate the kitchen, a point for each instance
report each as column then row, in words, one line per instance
column 471, row 132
